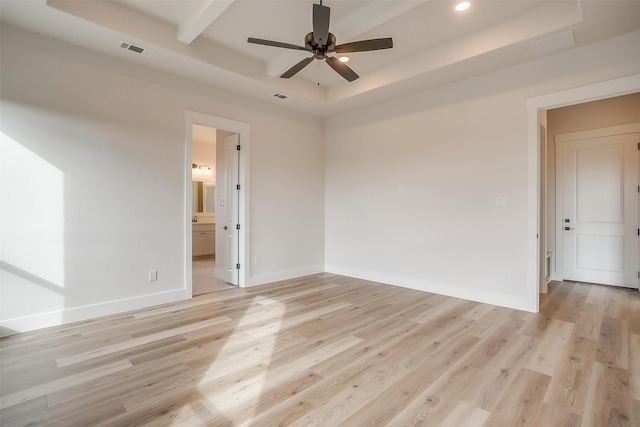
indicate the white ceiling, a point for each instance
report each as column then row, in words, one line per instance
column 433, row 44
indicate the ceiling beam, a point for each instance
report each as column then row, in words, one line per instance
column 204, row 14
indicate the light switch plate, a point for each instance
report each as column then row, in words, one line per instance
column 502, row 201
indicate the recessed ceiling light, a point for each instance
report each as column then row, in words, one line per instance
column 463, row 5
column 343, row 59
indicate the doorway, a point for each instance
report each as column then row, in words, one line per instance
column 208, row 171
column 236, row 255
column 536, row 106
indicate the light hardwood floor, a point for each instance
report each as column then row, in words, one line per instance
column 329, row 350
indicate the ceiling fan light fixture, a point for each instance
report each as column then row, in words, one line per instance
column 321, row 42
column 463, row 5
column 343, row 59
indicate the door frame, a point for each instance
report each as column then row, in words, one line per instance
column 560, row 139
column 543, row 285
column 244, row 131
column 593, row 92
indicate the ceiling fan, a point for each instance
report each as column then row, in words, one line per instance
column 320, row 42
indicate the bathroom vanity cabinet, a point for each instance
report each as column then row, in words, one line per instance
column 203, row 240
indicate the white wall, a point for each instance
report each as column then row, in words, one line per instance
column 93, row 183
column 101, row 143
column 453, row 150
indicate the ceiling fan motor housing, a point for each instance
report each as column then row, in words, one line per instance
column 319, row 51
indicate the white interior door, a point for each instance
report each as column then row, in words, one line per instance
column 228, row 214
column 600, row 210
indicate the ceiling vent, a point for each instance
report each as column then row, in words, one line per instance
column 136, row 49
column 280, row 96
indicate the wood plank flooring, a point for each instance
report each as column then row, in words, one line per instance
column 328, row 350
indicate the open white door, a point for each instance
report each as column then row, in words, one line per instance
column 228, row 218
column 600, row 210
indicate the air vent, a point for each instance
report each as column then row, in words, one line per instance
column 280, row 96
column 136, row 49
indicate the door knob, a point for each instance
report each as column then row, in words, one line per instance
column 224, row 228
column 569, row 228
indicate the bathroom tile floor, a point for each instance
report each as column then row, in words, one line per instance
column 204, row 280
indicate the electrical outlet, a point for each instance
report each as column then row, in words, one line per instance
column 153, row 275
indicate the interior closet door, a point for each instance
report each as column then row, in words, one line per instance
column 600, row 210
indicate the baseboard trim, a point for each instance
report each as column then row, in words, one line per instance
column 262, row 279
column 420, row 285
column 56, row 318
column 77, row 314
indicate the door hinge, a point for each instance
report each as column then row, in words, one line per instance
column 638, row 145
column 638, row 274
column 237, row 226
column 238, row 147
column 238, row 187
column 238, row 266
column 638, row 231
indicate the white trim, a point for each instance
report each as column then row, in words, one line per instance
column 244, row 132
column 188, row 197
column 558, row 274
column 593, row 92
column 560, row 139
column 598, row 133
column 77, row 314
column 542, row 199
column 437, row 288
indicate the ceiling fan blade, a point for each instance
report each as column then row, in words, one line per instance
column 342, row 69
column 299, row 66
column 275, row 44
column 321, row 16
column 365, row 45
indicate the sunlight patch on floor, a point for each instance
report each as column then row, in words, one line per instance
column 246, row 354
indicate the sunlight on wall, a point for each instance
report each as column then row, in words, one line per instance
column 32, row 230
column 252, row 360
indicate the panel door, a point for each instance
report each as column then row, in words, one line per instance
column 600, row 203
column 227, row 253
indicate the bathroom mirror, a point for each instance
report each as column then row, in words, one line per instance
column 203, row 196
